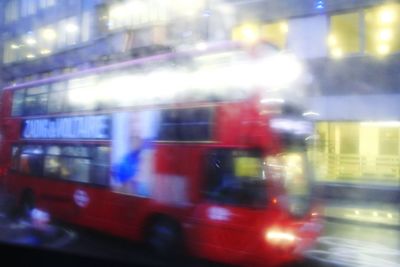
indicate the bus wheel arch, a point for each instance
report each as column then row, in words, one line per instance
column 164, row 235
column 26, row 202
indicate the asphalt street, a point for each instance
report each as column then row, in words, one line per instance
column 342, row 244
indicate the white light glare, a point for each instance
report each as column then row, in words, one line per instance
column 385, row 35
column 71, row 28
column 295, row 126
column 45, row 51
column 49, row 34
column 387, row 16
column 310, row 113
column 280, row 236
column 383, row 49
column 201, row 46
column 282, row 70
column 30, row 41
column 272, row 100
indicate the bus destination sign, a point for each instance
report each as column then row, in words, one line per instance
column 77, row 127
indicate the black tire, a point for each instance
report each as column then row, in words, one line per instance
column 164, row 238
column 26, row 204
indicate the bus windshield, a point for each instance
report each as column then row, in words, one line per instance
column 293, row 165
column 236, row 177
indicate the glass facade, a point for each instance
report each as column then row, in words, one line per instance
column 358, row 152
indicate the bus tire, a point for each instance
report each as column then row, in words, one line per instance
column 26, row 203
column 164, row 237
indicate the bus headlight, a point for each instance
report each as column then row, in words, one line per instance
column 280, row 237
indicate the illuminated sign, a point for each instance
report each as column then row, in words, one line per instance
column 219, row 214
column 81, row 198
column 78, row 127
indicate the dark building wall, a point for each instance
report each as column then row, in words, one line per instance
column 359, row 75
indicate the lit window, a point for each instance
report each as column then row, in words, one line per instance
column 46, row 40
column 247, row 33
column 382, row 27
column 68, row 33
column 86, row 26
column 344, row 36
column 10, row 51
column 137, row 13
column 18, row 103
column 275, row 33
column 349, row 138
column 11, row 11
column 28, row 47
column 28, row 7
column 389, row 141
column 46, row 3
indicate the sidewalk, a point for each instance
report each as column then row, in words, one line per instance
column 349, row 245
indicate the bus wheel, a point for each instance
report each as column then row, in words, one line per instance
column 164, row 237
column 26, row 204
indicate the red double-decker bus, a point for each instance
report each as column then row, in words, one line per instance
column 176, row 149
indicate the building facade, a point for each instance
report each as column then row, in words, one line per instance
column 351, row 48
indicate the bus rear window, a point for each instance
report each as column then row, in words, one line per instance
column 18, row 103
column 31, row 160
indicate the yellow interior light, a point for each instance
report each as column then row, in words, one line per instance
column 385, row 35
column 30, row 41
column 49, row 34
column 332, row 40
column 30, row 56
column 14, row 46
column 337, row 52
column 247, row 167
column 284, row 27
column 250, row 33
column 387, row 16
column 45, row 51
column 383, row 49
column 118, row 11
column 71, row 27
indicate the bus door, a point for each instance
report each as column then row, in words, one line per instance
column 228, row 221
